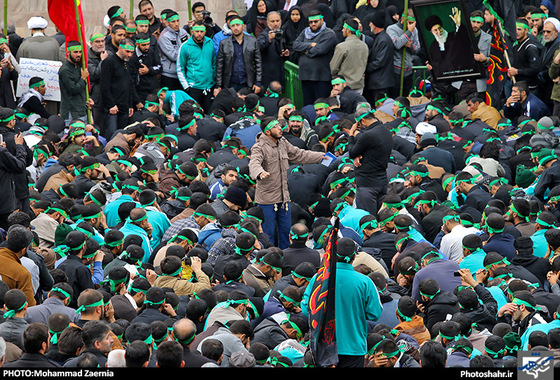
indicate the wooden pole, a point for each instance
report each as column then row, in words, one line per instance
column 131, row 15
column 506, row 55
column 6, row 18
column 84, row 47
column 405, row 26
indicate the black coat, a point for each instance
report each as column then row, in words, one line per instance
column 148, row 83
column 375, row 146
column 379, row 69
column 314, row 61
column 117, row 85
column 31, row 361
column 272, row 59
column 20, row 180
column 251, row 59
column 438, row 307
column 11, row 168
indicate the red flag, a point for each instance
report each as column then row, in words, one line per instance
column 63, row 14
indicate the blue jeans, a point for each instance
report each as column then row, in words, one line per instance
column 277, row 223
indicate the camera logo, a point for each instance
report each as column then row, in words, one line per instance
column 535, row 365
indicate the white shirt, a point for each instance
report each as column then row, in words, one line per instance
column 452, row 243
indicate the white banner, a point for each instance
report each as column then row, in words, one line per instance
column 47, row 70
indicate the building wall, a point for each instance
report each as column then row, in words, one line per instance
column 94, row 11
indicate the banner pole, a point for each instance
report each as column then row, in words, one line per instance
column 6, row 18
column 405, row 26
column 84, row 46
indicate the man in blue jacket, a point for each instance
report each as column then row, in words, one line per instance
column 356, row 302
column 196, row 66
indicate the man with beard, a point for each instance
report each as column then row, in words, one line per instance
column 316, row 47
column 119, row 96
column 525, row 56
column 299, row 129
column 96, row 55
column 451, row 51
column 270, row 168
column 127, row 141
column 552, row 42
column 196, row 64
column 145, row 66
column 73, row 81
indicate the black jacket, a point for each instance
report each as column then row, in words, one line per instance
column 11, row 168
column 251, row 59
column 31, row 361
column 148, row 83
column 379, row 69
column 439, row 307
column 374, row 145
column 117, row 85
column 314, row 61
column 484, row 315
column 20, row 180
column 272, row 59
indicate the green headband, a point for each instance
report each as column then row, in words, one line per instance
column 96, row 36
column 204, row 215
column 316, row 17
column 173, row 18
column 59, row 210
column 126, row 47
column 38, row 84
column 512, row 207
column 142, row 22
column 117, row 13
column 522, row 25
column 478, row 19
column 3, row 41
column 538, row 15
column 143, row 41
column 11, row 313
column 404, row 317
column 115, row 243
column 74, row 48
column 338, row 80
column 145, row 216
column 236, row 22
column 95, row 304
column 271, row 125
column 198, row 28
column 358, row 33
column 320, row 105
column 519, row 302
column 504, row 260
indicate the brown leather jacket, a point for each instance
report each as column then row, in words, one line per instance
column 275, row 158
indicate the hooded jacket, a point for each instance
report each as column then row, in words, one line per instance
column 439, row 307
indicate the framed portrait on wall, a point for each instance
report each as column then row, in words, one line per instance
column 448, row 39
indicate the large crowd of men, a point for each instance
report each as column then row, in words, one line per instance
column 176, row 207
